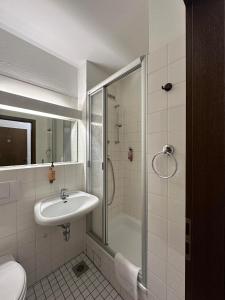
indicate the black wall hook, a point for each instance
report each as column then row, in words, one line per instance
column 167, row 87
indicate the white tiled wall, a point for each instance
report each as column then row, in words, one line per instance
column 130, row 93
column 166, row 124
column 39, row 249
column 127, row 174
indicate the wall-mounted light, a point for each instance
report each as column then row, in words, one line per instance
column 26, row 105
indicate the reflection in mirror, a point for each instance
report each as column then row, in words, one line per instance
column 30, row 139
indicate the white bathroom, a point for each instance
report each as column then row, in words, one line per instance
column 92, row 149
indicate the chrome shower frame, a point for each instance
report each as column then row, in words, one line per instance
column 140, row 63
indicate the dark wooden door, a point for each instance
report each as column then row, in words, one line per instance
column 205, row 185
column 13, row 146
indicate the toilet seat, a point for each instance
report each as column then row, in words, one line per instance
column 12, row 279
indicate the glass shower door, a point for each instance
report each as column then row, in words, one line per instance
column 116, row 164
column 96, row 170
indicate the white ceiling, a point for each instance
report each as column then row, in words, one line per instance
column 110, row 33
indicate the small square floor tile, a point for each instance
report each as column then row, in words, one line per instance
column 62, row 284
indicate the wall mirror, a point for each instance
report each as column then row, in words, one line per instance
column 35, row 139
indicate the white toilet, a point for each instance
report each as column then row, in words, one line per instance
column 13, row 282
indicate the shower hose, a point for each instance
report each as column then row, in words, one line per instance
column 114, row 184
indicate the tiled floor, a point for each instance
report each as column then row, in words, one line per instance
column 64, row 284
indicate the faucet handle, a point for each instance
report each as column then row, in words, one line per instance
column 63, row 193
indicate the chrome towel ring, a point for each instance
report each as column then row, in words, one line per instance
column 167, row 150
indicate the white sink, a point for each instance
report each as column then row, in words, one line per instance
column 56, row 211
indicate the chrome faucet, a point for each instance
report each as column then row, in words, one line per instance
column 64, row 194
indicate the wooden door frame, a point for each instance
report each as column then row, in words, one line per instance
column 205, row 165
column 33, row 133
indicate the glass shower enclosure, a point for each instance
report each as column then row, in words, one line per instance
column 116, row 163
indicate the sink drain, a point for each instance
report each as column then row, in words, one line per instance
column 80, row 268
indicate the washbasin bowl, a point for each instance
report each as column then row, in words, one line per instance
column 56, row 211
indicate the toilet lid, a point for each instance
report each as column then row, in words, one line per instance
column 12, row 280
